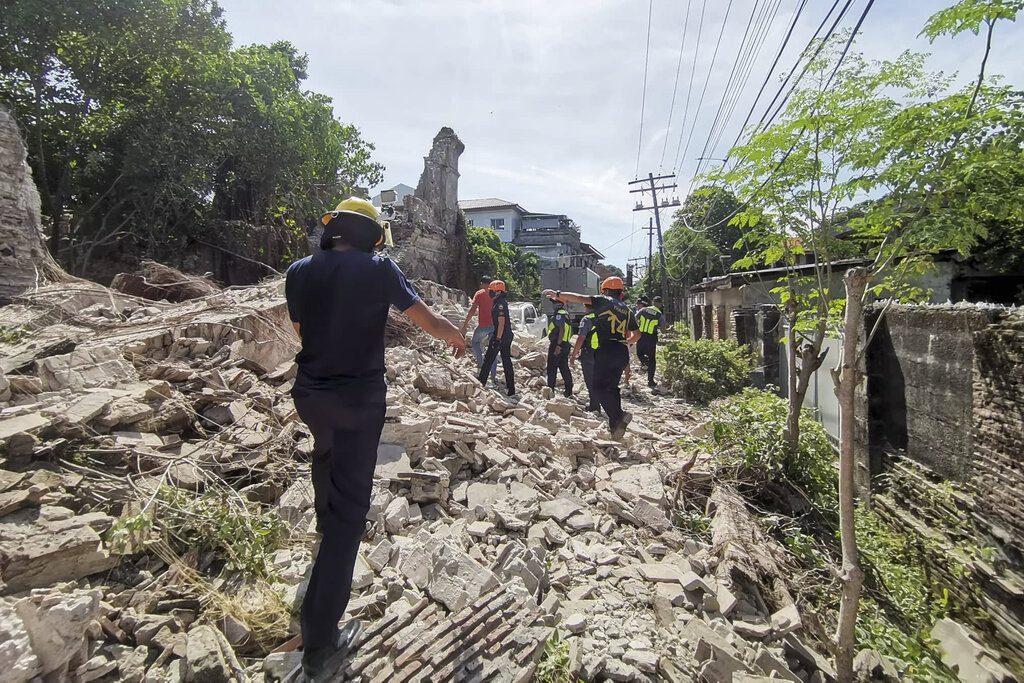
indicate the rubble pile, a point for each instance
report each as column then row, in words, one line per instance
column 495, row 523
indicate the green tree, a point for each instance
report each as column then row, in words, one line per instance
column 518, row 268
column 941, row 164
column 144, row 125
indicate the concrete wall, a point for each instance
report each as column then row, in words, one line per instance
column 481, row 218
column 919, row 386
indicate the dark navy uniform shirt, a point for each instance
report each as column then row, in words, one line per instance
column 341, row 300
column 560, row 327
column 499, row 308
column 649, row 320
column 612, row 319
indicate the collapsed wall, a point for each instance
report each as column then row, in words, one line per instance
column 24, row 261
column 943, row 411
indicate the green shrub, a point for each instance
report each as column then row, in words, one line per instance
column 749, row 426
column 705, row 369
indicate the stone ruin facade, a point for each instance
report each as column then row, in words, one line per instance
column 429, row 230
column 24, row 260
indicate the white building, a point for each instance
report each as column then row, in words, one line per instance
column 504, row 217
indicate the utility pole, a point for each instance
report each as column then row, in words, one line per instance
column 650, row 242
column 652, row 186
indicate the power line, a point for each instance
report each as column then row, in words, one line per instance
column 714, row 58
column 675, row 86
column 643, row 96
column 689, row 84
column 778, row 55
column 799, row 134
column 807, row 64
column 743, row 53
column 753, row 53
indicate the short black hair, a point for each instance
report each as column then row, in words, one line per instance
column 486, row 280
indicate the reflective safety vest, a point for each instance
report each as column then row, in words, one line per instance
column 566, row 328
column 591, row 333
column 649, row 319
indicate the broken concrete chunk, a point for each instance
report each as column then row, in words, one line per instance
column 206, row 660
column 786, row 620
column 639, row 481
column 55, row 624
column 963, row 653
column 396, row 515
column 575, row 623
column 100, row 366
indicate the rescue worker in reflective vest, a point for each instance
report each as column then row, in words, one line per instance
column 501, row 340
column 586, row 343
column 640, row 303
column 650, row 319
column 338, row 301
column 616, row 327
column 559, row 348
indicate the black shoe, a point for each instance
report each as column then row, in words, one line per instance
column 322, row 664
column 619, row 430
column 652, row 385
column 568, row 393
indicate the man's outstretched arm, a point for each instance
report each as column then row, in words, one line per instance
column 437, row 326
column 569, row 297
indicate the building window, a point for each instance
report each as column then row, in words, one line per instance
column 498, row 223
column 469, row 222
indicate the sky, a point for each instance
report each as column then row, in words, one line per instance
column 546, row 94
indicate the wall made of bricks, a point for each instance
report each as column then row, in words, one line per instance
column 998, row 430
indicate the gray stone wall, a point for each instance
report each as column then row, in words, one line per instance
column 24, row 261
column 919, row 396
column 942, row 416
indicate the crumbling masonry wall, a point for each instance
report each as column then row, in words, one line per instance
column 942, row 416
column 24, row 261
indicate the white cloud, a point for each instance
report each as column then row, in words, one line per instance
column 546, row 94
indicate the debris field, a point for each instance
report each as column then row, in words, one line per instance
column 156, row 518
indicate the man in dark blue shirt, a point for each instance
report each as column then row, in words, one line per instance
column 559, row 348
column 615, row 326
column 338, row 301
column 501, row 340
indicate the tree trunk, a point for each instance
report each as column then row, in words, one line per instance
column 847, row 377
column 792, row 433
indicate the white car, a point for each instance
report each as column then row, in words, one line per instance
column 527, row 321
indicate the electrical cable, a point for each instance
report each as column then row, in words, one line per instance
column 689, row 86
column 733, row 85
column 799, row 135
column 700, row 101
column 643, row 96
column 778, row 55
column 754, row 53
column 675, row 86
column 807, row 65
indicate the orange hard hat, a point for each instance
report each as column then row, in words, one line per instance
column 496, row 286
column 613, row 282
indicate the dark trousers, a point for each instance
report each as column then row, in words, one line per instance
column 504, row 347
column 610, row 361
column 646, row 353
column 345, row 440
column 587, row 363
column 559, row 362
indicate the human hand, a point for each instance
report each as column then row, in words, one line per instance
column 457, row 342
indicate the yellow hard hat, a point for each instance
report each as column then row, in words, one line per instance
column 360, row 222
column 356, row 205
